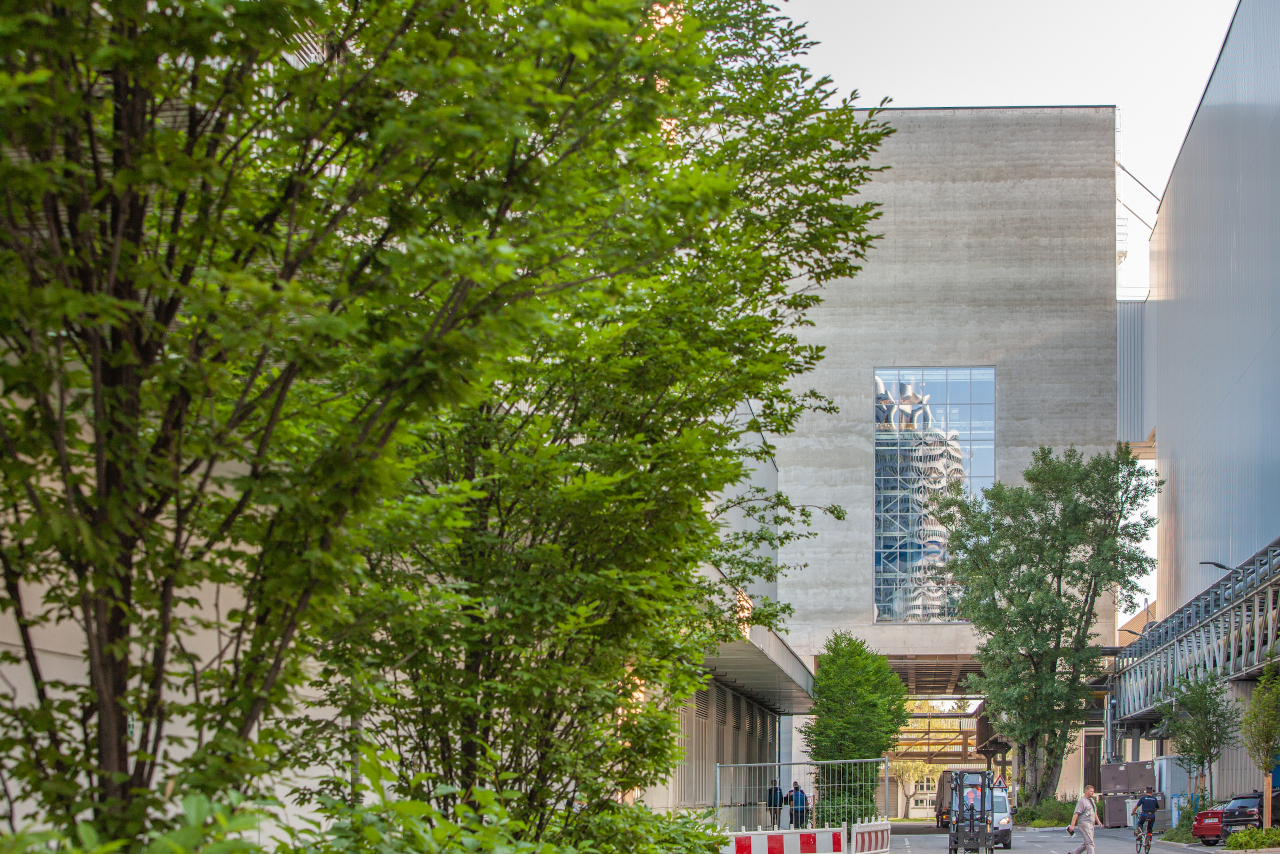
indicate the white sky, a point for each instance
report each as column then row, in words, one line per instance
column 1151, row 58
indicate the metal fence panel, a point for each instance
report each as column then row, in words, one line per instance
column 763, row 795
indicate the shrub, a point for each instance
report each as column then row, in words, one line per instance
column 1254, row 837
column 635, row 829
column 1049, row 813
column 1182, row 833
column 382, row 827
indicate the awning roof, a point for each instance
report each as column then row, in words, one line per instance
column 762, row 667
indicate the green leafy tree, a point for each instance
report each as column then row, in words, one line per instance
column 1260, row 727
column 1201, row 721
column 859, row 702
column 1033, row 564
column 245, row 248
column 545, row 642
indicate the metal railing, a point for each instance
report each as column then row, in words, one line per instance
column 1227, row 630
column 763, row 796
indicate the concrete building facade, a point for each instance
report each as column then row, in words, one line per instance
column 982, row 327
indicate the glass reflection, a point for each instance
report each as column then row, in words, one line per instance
column 934, row 427
column 984, row 385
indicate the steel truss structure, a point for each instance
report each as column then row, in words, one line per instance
column 1227, row 630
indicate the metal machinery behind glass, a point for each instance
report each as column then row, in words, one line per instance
column 934, row 426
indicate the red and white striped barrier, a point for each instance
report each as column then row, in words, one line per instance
column 871, row 837
column 786, row 842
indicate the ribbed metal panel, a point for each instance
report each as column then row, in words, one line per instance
column 1129, row 371
column 1216, row 280
column 1150, row 365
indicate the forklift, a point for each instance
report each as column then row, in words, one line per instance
column 970, row 827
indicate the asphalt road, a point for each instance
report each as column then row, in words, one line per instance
column 1109, row 841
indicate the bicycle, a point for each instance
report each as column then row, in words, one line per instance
column 1142, row 837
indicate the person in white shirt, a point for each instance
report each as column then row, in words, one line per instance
column 1086, row 816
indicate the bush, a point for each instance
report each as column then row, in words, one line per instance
column 385, row 824
column 1254, row 837
column 635, row 829
column 1051, row 813
column 1182, row 833
column 382, row 827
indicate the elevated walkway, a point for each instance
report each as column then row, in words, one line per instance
column 1227, row 630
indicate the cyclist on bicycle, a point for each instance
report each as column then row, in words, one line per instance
column 1147, row 805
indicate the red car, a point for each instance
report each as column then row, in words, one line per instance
column 1207, row 826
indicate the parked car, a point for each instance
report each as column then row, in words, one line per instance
column 1002, row 818
column 1246, row 811
column 1207, row 826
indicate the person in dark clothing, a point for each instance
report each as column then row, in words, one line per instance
column 799, row 802
column 1147, row 805
column 773, row 802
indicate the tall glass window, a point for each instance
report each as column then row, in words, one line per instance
column 934, row 426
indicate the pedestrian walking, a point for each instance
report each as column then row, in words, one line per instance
column 773, row 801
column 1086, row 817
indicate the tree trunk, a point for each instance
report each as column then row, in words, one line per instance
column 1266, row 802
column 1055, row 753
column 1034, row 769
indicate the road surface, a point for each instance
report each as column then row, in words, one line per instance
column 1109, row 841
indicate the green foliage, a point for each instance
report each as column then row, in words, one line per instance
column 541, row 636
column 376, row 821
column 203, row 826
column 1260, row 726
column 838, row 802
column 859, row 702
column 1201, row 721
column 1033, row 562
column 1182, row 832
column 383, row 826
column 634, row 829
column 1252, row 838
column 1050, row 812
column 244, row 245
column 253, row 256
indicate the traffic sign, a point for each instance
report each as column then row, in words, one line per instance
column 999, row 783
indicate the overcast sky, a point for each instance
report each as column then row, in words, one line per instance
column 1151, row 58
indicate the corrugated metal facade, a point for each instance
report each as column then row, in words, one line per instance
column 1234, row 773
column 1215, row 263
column 1130, row 357
column 718, row 726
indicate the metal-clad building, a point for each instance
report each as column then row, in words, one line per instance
column 1215, row 262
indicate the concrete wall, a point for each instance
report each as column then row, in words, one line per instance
column 998, row 249
column 1215, row 268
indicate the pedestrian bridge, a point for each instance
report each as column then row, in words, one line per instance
column 1227, row 630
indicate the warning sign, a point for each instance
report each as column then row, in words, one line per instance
column 999, row 783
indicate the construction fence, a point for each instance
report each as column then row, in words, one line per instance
column 801, row 795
